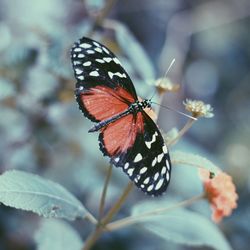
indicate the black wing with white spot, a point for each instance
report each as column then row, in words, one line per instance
column 147, row 161
column 93, row 62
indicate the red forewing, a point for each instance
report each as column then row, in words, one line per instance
column 100, row 102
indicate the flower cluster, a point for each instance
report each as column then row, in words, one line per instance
column 198, row 108
column 165, row 85
column 220, row 192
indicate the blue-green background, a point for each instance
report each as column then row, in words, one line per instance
column 42, row 131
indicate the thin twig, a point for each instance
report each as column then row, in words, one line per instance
column 134, row 219
column 158, row 107
column 118, row 204
column 104, row 192
column 91, row 218
column 186, row 127
column 113, row 210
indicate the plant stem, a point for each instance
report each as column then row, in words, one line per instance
column 101, row 16
column 113, row 210
column 104, row 192
column 134, row 219
column 91, row 218
column 158, row 107
column 118, row 204
column 186, row 127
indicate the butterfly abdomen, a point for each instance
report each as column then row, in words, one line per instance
column 132, row 109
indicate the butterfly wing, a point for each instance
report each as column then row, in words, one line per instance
column 135, row 144
column 103, row 87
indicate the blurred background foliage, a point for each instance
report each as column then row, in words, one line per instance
column 42, row 131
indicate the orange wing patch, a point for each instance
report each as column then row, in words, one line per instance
column 103, row 102
column 120, row 135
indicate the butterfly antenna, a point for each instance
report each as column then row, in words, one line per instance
column 165, row 75
column 177, row 111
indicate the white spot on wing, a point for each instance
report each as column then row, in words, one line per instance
column 167, row 164
column 130, row 171
column 94, row 73
column 154, row 162
column 117, row 159
column 76, row 62
column 167, row 176
column 78, row 71
column 96, row 44
column 88, row 63
column 107, row 59
column 165, row 149
column 156, row 176
column 159, row 157
column 116, row 74
column 146, row 181
column 138, row 157
column 164, row 170
column 137, row 178
column 159, row 184
column 100, row 60
column 80, row 55
column 116, row 60
column 149, row 143
column 77, row 49
column 126, row 165
column 80, row 77
column 98, row 50
column 150, row 188
column 143, row 170
column 90, row 51
column 105, row 50
column 110, row 74
column 85, row 45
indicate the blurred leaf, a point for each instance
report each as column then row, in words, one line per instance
column 94, row 5
column 22, row 157
column 13, row 125
column 57, row 235
column 40, row 83
column 7, row 89
column 32, row 193
column 179, row 157
column 181, row 226
column 134, row 51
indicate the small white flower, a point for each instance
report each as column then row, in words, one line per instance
column 165, row 85
column 198, row 108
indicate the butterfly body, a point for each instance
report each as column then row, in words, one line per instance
column 134, row 108
column 128, row 136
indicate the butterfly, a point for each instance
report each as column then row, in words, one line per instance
column 127, row 135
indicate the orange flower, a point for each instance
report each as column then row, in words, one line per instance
column 220, row 192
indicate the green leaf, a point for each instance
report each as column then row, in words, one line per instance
column 181, row 226
column 57, row 235
column 32, row 193
column 179, row 157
